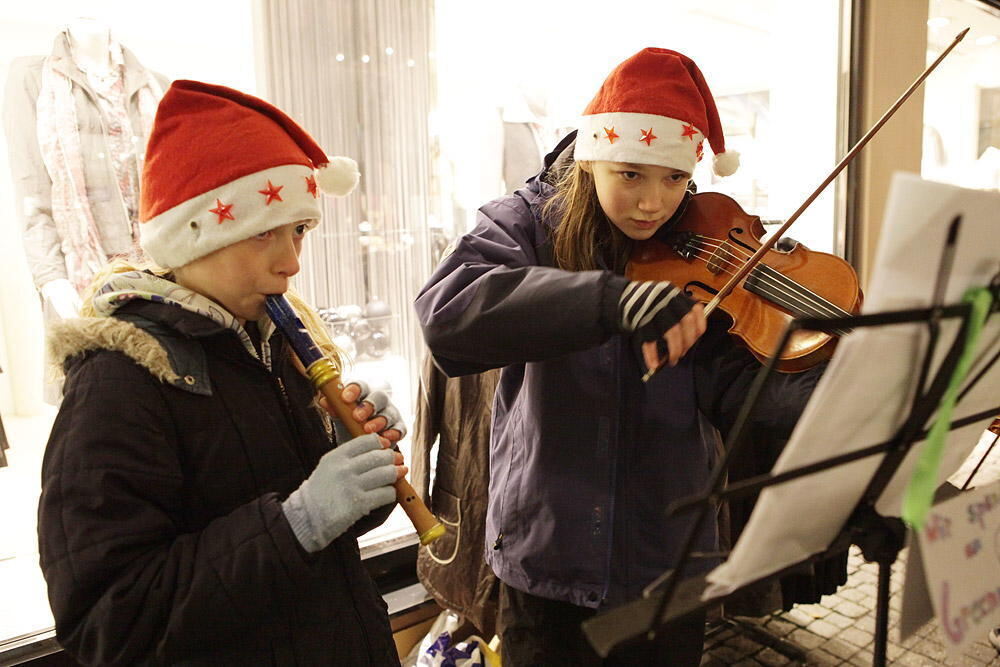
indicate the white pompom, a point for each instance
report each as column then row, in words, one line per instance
column 726, row 164
column 339, row 177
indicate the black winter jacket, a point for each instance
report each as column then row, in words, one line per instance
column 160, row 528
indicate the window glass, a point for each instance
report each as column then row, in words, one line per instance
column 218, row 47
column 961, row 143
column 445, row 105
column 511, row 89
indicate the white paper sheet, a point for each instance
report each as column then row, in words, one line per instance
column 866, row 392
column 955, row 563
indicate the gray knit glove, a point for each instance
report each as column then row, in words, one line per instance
column 348, row 483
column 648, row 309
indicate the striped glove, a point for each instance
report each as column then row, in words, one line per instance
column 648, row 309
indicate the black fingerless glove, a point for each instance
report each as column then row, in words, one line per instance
column 648, row 309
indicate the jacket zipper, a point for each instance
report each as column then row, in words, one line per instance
column 340, row 548
column 498, row 543
column 614, row 446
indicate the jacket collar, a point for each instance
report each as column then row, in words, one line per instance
column 542, row 184
column 174, row 318
column 161, row 338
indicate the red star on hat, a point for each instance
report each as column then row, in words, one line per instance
column 689, row 131
column 611, row 134
column 271, row 192
column 311, row 186
column 222, row 210
column 647, row 136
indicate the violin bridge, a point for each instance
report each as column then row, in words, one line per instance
column 722, row 257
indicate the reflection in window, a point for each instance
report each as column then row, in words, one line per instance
column 961, row 142
column 780, row 112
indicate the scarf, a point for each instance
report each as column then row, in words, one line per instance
column 62, row 153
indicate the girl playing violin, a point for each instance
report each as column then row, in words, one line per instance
column 195, row 508
column 585, row 456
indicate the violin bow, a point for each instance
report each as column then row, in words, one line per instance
column 767, row 245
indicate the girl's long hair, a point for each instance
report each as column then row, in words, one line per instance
column 310, row 318
column 583, row 234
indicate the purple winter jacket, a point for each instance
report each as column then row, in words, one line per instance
column 584, row 456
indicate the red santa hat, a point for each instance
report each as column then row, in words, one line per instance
column 654, row 108
column 222, row 166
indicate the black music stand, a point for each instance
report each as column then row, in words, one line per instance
column 880, row 538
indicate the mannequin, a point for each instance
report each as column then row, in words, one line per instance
column 90, row 42
column 76, row 123
column 79, row 114
column 529, row 132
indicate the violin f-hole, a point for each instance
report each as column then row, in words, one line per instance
column 737, row 240
column 697, row 283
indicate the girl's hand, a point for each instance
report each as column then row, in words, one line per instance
column 664, row 322
column 374, row 410
column 677, row 340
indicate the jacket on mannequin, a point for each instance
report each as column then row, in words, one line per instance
column 76, row 123
column 457, row 413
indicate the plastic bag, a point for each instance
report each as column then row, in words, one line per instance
column 439, row 648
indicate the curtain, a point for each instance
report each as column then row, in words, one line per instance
column 357, row 75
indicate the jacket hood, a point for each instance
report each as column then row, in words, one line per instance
column 70, row 338
column 555, row 163
column 159, row 337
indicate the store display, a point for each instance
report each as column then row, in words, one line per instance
column 76, row 122
column 363, row 333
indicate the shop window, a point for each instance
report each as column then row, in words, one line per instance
column 219, row 47
column 781, row 113
column 961, row 142
column 445, row 104
column 989, row 120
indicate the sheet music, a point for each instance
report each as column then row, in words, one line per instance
column 868, row 388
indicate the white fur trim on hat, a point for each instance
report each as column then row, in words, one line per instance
column 339, row 177
column 638, row 138
column 191, row 229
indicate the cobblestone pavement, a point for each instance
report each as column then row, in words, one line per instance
column 840, row 630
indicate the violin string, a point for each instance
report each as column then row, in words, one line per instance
column 780, row 279
column 789, row 294
column 794, row 303
column 799, row 301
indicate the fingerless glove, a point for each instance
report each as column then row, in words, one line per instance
column 649, row 308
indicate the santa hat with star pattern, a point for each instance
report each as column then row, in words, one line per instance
column 654, row 108
column 222, row 166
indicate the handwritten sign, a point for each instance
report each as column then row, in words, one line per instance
column 955, row 561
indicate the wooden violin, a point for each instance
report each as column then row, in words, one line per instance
column 716, row 254
column 712, row 240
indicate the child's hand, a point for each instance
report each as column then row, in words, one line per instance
column 374, row 410
column 348, row 482
column 664, row 322
column 677, row 340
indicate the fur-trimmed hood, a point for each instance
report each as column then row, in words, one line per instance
column 70, row 338
column 163, row 339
